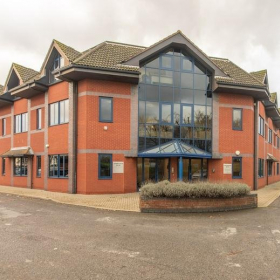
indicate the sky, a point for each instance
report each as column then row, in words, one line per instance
column 244, row 31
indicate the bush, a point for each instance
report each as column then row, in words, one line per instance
column 194, row 190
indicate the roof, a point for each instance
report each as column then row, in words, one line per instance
column 1, row 89
column 24, row 72
column 69, row 52
column 109, row 55
column 259, row 75
column 236, row 75
column 270, row 157
column 273, row 97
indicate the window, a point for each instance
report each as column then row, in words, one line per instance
column 39, row 119
column 261, row 126
column 20, row 166
column 260, row 167
column 3, row 127
column 237, row 119
column 58, row 166
column 269, row 135
column 21, row 123
column 236, row 167
column 59, row 112
column 105, row 109
column 277, row 168
column 3, row 166
column 39, row 166
column 269, row 168
column 277, row 142
column 104, row 166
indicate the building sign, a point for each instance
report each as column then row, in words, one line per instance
column 227, row 168
column 117, row 167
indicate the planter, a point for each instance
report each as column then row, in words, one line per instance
column 198, row 205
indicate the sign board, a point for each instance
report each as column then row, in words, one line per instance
column 227, row 169
column 117, row 167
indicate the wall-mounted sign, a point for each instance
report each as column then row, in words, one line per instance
column 227, row 168
column 117, row 167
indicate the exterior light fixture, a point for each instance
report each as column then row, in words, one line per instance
column 237, row 153
column 105, row 127
column 47, row 145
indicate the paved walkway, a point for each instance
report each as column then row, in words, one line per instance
column 119, row 202
column 116, row 202
column 268, row 194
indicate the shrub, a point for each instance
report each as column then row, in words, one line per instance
column 194, row 190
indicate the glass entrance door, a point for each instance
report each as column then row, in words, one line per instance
column 194, row 169
column 152, row 169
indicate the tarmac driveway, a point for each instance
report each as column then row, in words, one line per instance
column 42, row 239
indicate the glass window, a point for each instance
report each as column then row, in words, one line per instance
column 153, row 64
column 21, row 123
column 166, row 77
column 20, row 166
column 176, row 61
column 261, row 167
column 105, row 109
column 152, row 130
column 199, row 115
column 176, row 114
column 166, row 62
column 237, row 119
column 59, row 112
column 199, row 97
column 187, row 95
column 186, row 80
column 200, row 82
column 261, row 126
column 141, row 115
column 152, row 92
column 39, row 118
column 187, row 64
column 277, row 168
column 105, row 166
column 3, row 166
column 166, row 113
column 166, row 94
column 58, row 166
column 269, row 168
column 166, row 131
column 198, row 68
column 3, row 127
column 186, row 115
column 39, row 166
column 152, row 112
column 152, row 76
column 236, row 167
column 269, row 135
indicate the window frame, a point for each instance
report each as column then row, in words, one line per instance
column 21, row 169
column 261, row 126
column 240, row 176
column 269, row 168
column 58, row 166
column 3, row 166
column 4, row 127
column 99, row 167
column 39, row 119
column 269, row 136
column 58, row 112
column 277, row 169
column 241, row 119
column 38, row 175
column 20, row 116
column 100, row 112
column 260, row 168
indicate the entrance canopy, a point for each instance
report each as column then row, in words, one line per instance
column 175, row 148
column 18, row 152
column 270, row 157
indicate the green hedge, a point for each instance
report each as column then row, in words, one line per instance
column 194, row 190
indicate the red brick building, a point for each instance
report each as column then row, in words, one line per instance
column 107, row 119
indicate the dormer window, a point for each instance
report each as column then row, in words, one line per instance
column 56, row 63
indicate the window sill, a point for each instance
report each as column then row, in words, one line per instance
column 20, row 132
column 58, row 124
column 58, row 177
column 105, row 178
column 20, row 175
column 105, row 121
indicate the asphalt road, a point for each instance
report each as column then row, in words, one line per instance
column 44, row 240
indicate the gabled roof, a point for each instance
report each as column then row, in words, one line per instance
column 1, row 89
column 259, row 75
column 24, row 72
column 273, row 97
column 69, row 52
column 109, row 55
column 235, row 74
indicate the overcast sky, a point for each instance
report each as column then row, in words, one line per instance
column 245, row 31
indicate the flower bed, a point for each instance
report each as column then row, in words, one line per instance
column 199, row 197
